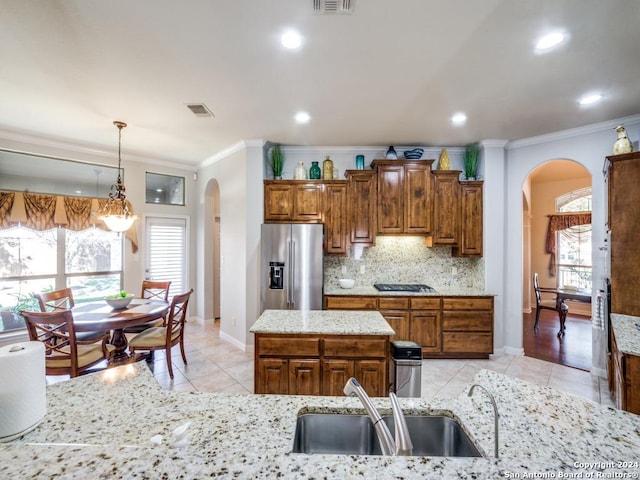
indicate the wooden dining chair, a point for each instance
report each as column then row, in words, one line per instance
column 60, row 300
column 554, row 304
column 171, row 333
column 64, row 355
column 155, row 291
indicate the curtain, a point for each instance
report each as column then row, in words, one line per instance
column 43, row 212
column 562, row 222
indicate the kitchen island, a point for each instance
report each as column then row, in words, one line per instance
column 315, row 352
column 101, row 426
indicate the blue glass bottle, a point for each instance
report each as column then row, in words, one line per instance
column 314, row 171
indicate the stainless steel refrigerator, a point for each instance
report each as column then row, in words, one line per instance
column 291, row 266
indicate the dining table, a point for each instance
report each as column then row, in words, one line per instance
column 563, row 294
column 98, row 316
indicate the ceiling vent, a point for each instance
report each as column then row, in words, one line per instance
column 327, row 7
column 199, row 109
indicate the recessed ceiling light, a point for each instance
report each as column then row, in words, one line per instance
column 302, row 117
column 459, row 119
column 291, row 39
column 590, row 99
column 549, row 41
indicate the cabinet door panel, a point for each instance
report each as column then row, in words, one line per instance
column 470, row 241
column 350, row 303
column 355, row 347
column 335, row 374
column 335, row 218
column 391, row 199
column 304, row 377
column 446, row 208
column 417, row 180
column 467, row 303
column 272, row 376
column 307, row 203
column 399, row 321
column 362, row 206
column 278, row 202
column 425, row 330
column 467, row 321
column 372, row 375
column 466, row 342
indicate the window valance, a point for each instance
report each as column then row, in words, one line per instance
column 562, row 222
column 43, row 212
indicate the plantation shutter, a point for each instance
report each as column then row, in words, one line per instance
column 167, row 252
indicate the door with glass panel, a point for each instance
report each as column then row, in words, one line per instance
column 166, row 252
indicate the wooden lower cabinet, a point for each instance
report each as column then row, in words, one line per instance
column 626, row 378
column 445, row 327
column 467, row 326
column 320, row 365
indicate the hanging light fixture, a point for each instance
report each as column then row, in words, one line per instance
column 117, row 214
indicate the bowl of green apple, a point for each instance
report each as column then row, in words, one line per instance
column 119, row 300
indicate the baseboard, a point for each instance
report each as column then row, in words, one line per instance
column 516, row 352
column 233, row 341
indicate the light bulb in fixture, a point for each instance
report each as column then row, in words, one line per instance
column 459, row 119
column 291, row 40
column 549, row 41
column 302, row 117
column 590, row 99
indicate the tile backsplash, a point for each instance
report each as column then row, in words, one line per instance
column 400, row 259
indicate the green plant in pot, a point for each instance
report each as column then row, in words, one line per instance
column 277, row 161
column 471, row 161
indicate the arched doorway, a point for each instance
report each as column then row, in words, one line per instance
column 547, row 188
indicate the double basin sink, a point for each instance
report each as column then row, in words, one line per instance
column 336, row 433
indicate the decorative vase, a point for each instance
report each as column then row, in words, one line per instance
column 360, row 162
column 300, row 173
column 392, row 154
column 327, row 169
column 443, row 162
column 314, row 171
column 622, row 145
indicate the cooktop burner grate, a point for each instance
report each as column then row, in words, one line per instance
column 403, row 287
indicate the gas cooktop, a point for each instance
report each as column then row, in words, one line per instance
column 403, row 287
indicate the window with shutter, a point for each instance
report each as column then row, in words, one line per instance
column 167, row 252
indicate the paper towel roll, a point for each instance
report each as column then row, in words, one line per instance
column 23, row 395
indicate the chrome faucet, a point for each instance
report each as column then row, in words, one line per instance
column 495, row 413
column 402, row 444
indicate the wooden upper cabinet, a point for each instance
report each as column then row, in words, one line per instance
column 335, row 217
column 361, row 197
column 624, row 217
column 446, row 207
column 404, row 196
column 471, row 214
column 293, row 201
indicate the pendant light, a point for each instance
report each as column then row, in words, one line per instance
column 117, row 214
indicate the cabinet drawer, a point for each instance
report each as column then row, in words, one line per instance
column 355, row 347
column 467, row 303
column 288, row 346
column 350, row 303
column 467, row 321
column 425, row 303
column 393, row 303
column 464, row 342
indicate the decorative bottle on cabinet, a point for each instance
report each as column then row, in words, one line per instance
column 327, row 169
column 622, row 145
column 300, row 172
column 314, row 171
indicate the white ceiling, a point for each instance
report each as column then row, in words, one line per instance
column 393, row 72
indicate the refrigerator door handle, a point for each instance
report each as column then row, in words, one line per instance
column 292, row 270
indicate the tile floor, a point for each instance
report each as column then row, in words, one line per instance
column 217, row 366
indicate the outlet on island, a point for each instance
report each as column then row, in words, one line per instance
column 344, row 269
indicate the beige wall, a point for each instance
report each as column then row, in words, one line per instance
column 543, row 198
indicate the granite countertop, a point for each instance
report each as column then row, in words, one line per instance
column 371, row 291
column 627, row 331
column 323, row 322
column 101, row 425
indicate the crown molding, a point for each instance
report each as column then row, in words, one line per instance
column 230, row 150
column 572, row 132
column 368, row 149
column 77, row 152
column 493, row 143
